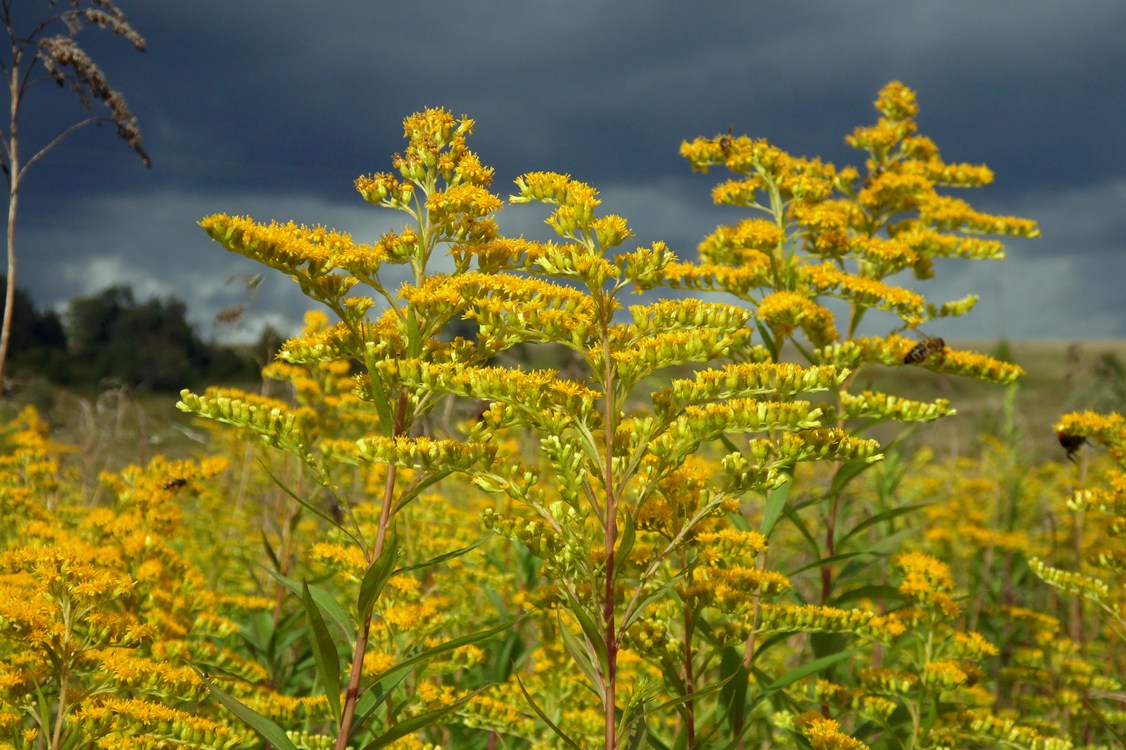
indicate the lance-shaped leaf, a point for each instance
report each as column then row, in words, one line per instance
column 419, row 721
column 269, row 730
column 544, row 718
column 324, row 652
column 377, row 576
column 328, row 606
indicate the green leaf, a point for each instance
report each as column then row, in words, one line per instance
column 380, row 400
column 887, row 593
column 593, row 635
column 270, row 731
column 739, row 521
column 442, row 648
column 543, row 717
column 581, row 657
column 270, row 551
column 311, row 507
column 377, row 577
column 442, row 557
column 776, row 505
column 715, row 687
column 887, row 515
column 657, row 593
column 767, row 339
column 846, row 474
column 418, row 486
column 625, row 543
column 414, row 342
column 633, row 732
column 421, row 721
column 327, row 604
column 324, row 652
column 375, row 696
column 733, row 697
column 825, row 561
column 800, row 674
column 795, row 519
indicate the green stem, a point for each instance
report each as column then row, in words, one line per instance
column 352, row 694
column 610, row 530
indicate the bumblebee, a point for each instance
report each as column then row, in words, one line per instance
column 926, row 349
column 172, row 485
column 1071, row 444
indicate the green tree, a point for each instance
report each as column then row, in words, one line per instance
column 148, row 344
column 33, row 44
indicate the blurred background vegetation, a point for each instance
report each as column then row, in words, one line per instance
column 111, row 365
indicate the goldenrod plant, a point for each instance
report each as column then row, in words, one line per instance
column 637, row 502
column 442, row 187
column 1089, row 568
column 99, row 612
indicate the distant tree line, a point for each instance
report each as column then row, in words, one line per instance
column 111, row 336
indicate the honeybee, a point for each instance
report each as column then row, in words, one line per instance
column 872, row 176
column 173, row 485
column 725, row 142
column 1071, row 444
column 928, row 348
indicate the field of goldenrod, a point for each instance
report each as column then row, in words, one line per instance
column 415, row 537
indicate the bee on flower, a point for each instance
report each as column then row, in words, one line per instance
column 725, row 142
column 1071, row 444
column 928, row 348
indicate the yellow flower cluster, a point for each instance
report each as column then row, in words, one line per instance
column 813, row 618
column 821, row 733
column 707, row 421
column 878, row 406
column 786, row 311
column 926, row 581
column 743, row 243
column 272, row 421
column 290, row 248
column 744, row 380
column 576, row 200
column 130, row 716
column 978, row 366
column 856, row 352
column 711, row 277
column 828, row 279
column 539, row 393
column 687, row 314
column 731, row 589
column 654, row 352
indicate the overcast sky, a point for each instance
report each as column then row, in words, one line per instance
column 273, row 108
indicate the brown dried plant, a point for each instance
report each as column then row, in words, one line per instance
column 35, row 45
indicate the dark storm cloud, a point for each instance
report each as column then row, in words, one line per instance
column 273, row 109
